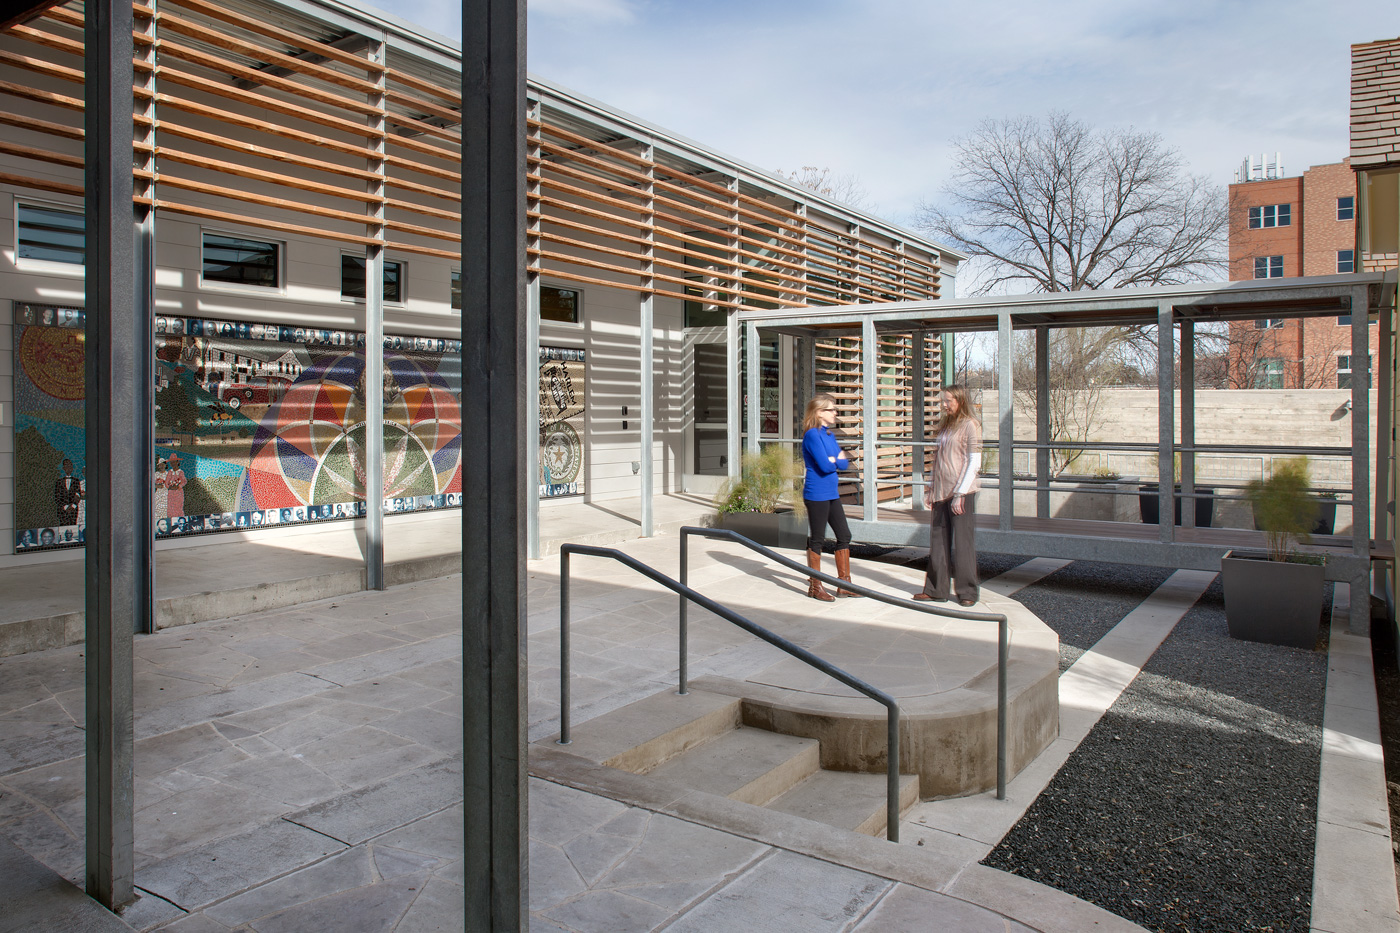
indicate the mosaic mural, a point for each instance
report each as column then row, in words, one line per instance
column 562, row 374
column 255, row 425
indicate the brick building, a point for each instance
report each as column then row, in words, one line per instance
column 1292, row 226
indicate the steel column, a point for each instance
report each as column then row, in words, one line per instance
column 1042, row 420
column 1360, row 457
column 1385, row 492
column 532, row 415
column 918, row 429
column 734, row 405
column 1006, row 430
column 374, row 344
column 494, row 384
column 117, row 451
column 1188, row 423
column 869, row 409
column 647, row 377
column 1166, row 426
column 751, row 389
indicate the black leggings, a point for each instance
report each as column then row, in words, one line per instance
column 819, row 515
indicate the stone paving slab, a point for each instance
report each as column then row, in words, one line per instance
column 38, row 900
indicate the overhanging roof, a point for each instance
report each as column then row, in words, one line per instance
column 1316, row 296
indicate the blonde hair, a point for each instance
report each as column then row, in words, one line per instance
column 815, row 404
column 964, row 412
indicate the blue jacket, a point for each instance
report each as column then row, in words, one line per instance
column 818, row 449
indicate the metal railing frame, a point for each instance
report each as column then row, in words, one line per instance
column 1003, row 623
column 687, row 595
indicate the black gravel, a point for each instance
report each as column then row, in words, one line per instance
column 1082, row 601
column 1191, row 806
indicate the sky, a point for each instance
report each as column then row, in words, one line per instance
column 881, row 89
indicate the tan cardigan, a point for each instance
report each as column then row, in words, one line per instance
column 955, row 462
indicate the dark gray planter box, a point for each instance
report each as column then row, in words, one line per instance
column 770, row 529
column 1148, row 505
column 1326, row 517
column 1276, row 602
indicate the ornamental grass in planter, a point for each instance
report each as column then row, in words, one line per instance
column 1276, row 597
column 755, row 503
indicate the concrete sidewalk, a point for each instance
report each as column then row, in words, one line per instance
column 298, row 770
column 275, row 568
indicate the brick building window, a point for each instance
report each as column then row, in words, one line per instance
column 1269, row 375
column 1268, row 267
column 1266, row 323
column 1346, row 260
column 1344, row 320
column 1270, row 215
column 1344, row 371
column 1346, row 208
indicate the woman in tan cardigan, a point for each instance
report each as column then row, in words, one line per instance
column 950, row 497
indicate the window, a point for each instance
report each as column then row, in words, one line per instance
column 352, row 278
column 233, row 260
column 1271, row 215
column 1268, row 323
column 1344, row 371
column 1346, row 260
column 1270, row 373
column 1268, row 267
column 560, row 304
column 1344, row 320
column 456, row 297
column 1346, row 208
column 51, row 234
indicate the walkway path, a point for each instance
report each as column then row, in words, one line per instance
column 298, row 771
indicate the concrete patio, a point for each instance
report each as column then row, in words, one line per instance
column 298, row 770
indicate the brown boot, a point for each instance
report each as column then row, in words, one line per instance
column 843, row 570
column 814, row 586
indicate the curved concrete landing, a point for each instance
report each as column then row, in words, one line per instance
column 942, row 671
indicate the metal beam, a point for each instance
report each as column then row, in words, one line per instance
column 1361, row 458
column 918, row 428
column 118, row 451
column 1006, row 430
column 494, row 371
column 1042, row 420
column 869, row 410
column 374, row 351
column 1166, row 426
column 1188, row 423
column 1385, row 492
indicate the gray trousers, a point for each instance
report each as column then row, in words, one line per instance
column 952, row 551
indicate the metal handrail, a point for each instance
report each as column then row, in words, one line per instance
column 688, row 595
column 1003, row 623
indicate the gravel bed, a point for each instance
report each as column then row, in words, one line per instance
column 1191, row 805
column 1082, row 601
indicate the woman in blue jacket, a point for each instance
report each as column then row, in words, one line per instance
column 824, row 458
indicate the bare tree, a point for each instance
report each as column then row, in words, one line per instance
column 1057, row 206
column 844, row 188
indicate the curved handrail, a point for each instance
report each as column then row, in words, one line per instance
column 1003, row 623
column 797, row 651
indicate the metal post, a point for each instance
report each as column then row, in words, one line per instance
column 648, row 371
column 1385, row 492
column 1166, row 426
column 1190, row 506
column 117, row 451
column 564, row 697
column 533, row 230
column 685, row 617
column 494, row 259
column 869, row 409
column 1042, row 421
column 734, row 404
column 752, row 404
column 374, row 342
column 145, row 573
column 806, row 373
column 1006, row 432
column 1003, row 659
column 918, row 429
column 1360, row 458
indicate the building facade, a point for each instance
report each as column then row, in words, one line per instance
column 1300, row 226
column 286, row 148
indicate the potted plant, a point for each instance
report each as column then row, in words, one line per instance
column 755, row 503
column 1276, row 597
column 1326, row 521
column 1148, row 505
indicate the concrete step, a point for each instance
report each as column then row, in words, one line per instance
column 847, row 800
column 644, row 735
column 749, row 765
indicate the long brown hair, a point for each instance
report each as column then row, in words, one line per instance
column 815, row 404
column 964, row 412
